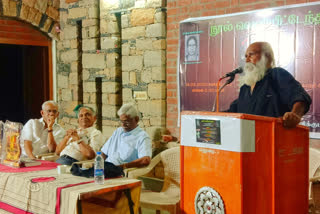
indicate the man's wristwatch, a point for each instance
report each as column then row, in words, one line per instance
column 50, row 130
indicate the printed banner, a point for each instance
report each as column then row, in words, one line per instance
column 210, row 47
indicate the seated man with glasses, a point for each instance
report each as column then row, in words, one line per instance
column 82, row 143
column 267, row 90
column 129, row 146
column 40, row 136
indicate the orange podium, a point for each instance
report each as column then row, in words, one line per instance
column 242, row 164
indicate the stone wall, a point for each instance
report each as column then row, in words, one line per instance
column 110, row 54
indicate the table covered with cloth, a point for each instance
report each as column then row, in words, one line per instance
column 40, row 189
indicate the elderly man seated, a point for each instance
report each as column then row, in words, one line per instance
column 82, row 143
column 129, row 145
column 40, row 136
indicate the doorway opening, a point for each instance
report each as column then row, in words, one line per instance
column 25, row 70
column 24, row 82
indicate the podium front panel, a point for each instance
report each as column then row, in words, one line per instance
column 248, row 179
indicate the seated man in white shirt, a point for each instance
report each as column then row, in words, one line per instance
column 129, row 145
column 40, row 136
column 82, row 143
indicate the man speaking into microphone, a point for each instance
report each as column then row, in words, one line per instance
column 267, row 90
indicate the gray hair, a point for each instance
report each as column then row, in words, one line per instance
column 88, row 108
column 266, row 49
column 49, row 102
column 129, row 110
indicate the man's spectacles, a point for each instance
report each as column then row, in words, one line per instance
column 251, row 54
column 127, row 122
column 51, row 111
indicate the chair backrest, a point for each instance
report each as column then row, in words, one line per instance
column 171, row 163
column 314, row 163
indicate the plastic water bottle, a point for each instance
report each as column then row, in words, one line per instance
column 99, row 169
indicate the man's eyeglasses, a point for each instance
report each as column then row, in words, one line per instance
column 251, row 54
column 126, row 122
column 51, row 111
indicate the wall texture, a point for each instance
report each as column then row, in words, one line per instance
column 178, row 10
column 110, row 53
column 43, row 14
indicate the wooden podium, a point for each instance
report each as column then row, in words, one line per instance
column 242, row 164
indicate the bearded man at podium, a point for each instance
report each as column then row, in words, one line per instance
column 267, row 90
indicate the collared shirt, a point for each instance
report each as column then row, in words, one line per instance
column 125, row 147
column 272, row 96
column 34, row 130
column 90, row 136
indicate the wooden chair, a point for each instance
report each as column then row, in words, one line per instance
column 169, row 197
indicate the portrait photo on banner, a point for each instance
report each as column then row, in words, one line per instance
column 192, row 44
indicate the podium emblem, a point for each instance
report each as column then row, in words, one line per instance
column 207, row 201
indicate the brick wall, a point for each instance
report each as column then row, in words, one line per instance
column 44, row 15
column 178, row 10
column 12, row 29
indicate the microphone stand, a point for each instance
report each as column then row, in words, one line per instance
column 230, row 80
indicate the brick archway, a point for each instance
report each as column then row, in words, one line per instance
column 27, row 28
column 42, row 14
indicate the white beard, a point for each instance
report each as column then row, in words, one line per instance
column 253, row 73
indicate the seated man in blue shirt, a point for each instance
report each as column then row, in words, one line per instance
column 268, row 90
column 129, row 145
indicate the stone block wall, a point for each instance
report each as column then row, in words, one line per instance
column 110, row 51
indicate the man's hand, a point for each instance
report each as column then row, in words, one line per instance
column 290, row 120
column 50, row 121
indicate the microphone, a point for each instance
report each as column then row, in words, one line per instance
column 233, row 73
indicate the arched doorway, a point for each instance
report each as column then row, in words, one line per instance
column 25, row 70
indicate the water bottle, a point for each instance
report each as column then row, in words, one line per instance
column 99, row 169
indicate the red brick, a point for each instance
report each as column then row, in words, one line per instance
column 171, row 115
column 3, row 34
column 296, row 1
column 3, row 22
column 171, row 4
column 173, row 26
column 221, row 11
column 222, row 4
column 205, row 1
column 171, row 94
column 172, row 100
column 171, row 12
column 172, row 41
column 184, row 10
column 9, row 28
column 171, row 70
column 182, row 3
column 171, row 123
column 171, row 85
column 209, row 13
column 172, row 108
column 233, row 10
column 172, row 48
column 172, row 79
column 234, row 2
column 246, row 1
column 172, row 63
column 172, row 55
column 210, row 6
column 173, row 34
column 23, row 29
column 196, row 8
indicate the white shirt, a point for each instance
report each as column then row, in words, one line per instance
column 125, row 147
column 34, row 130
column 90, row 136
